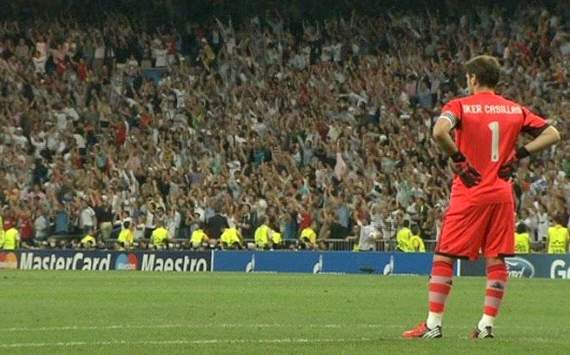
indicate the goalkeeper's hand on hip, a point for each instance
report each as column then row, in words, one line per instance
column 466, row 172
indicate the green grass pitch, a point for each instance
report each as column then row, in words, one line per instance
column 46, row 312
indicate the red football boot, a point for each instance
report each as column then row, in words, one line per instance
column 422, row 331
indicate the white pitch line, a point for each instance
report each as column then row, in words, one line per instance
column 223, row 326
column 217, row 325
column 184, row 342
column 229, row 341
column 169, row 326
column 198, row 326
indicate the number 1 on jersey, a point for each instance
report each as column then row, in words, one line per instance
column 494, row 127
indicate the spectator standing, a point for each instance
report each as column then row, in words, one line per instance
column 87, row 217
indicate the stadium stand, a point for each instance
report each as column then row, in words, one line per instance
column 293, row 119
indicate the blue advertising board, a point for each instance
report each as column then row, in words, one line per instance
column 525, row 266
column 106, row 260
column 274, row 261
column 380, row 263
column 323, row 262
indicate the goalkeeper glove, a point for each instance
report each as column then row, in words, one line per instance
column 507, row 170
column 464, row 170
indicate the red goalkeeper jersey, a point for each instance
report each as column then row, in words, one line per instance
column 487, row 127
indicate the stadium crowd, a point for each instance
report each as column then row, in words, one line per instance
column 269, row 130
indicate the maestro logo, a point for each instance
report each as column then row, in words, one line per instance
column 126, row 262
column 519, row 268
column 8, row 261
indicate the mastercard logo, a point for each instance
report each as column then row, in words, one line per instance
column 126, row 262
column 8, row 261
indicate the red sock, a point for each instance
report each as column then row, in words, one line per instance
column 439, row 285
column 496, row 284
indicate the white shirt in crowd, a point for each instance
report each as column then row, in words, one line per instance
column 542, row 225
column 72, row 113
column 42, row 48
column 79, row 141
column 87, row 217
column 39, row 143
column 61, row 119
column 368, row 236
column 40, row 64
column 139, row 231
column 160, row 55
column 174, row 224
column 100, row 52
column 336, row 52
column 41, row 225
column 132, row 66
column 53, row 141
column 149, row 221
column 389, row 229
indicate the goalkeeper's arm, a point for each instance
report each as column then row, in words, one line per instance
column 548, row 137
column 443, row 138
column 545, row 139
column 469, row 175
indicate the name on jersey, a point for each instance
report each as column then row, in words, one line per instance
column 493, row 109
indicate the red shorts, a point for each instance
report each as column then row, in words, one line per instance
column 469, row 229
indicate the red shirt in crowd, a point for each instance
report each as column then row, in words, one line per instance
column 120, row 134
column 82, row 71
column 26, row 230
column 305, row 220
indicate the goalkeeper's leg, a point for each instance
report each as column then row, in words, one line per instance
column 496, row 284
column 439, row 287
column 498, row 244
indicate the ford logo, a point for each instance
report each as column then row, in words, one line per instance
column 519, row 268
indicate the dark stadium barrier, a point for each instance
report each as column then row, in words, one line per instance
column 326, row 244
column 381, row 245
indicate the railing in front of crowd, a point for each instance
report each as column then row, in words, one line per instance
column 348, row 244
